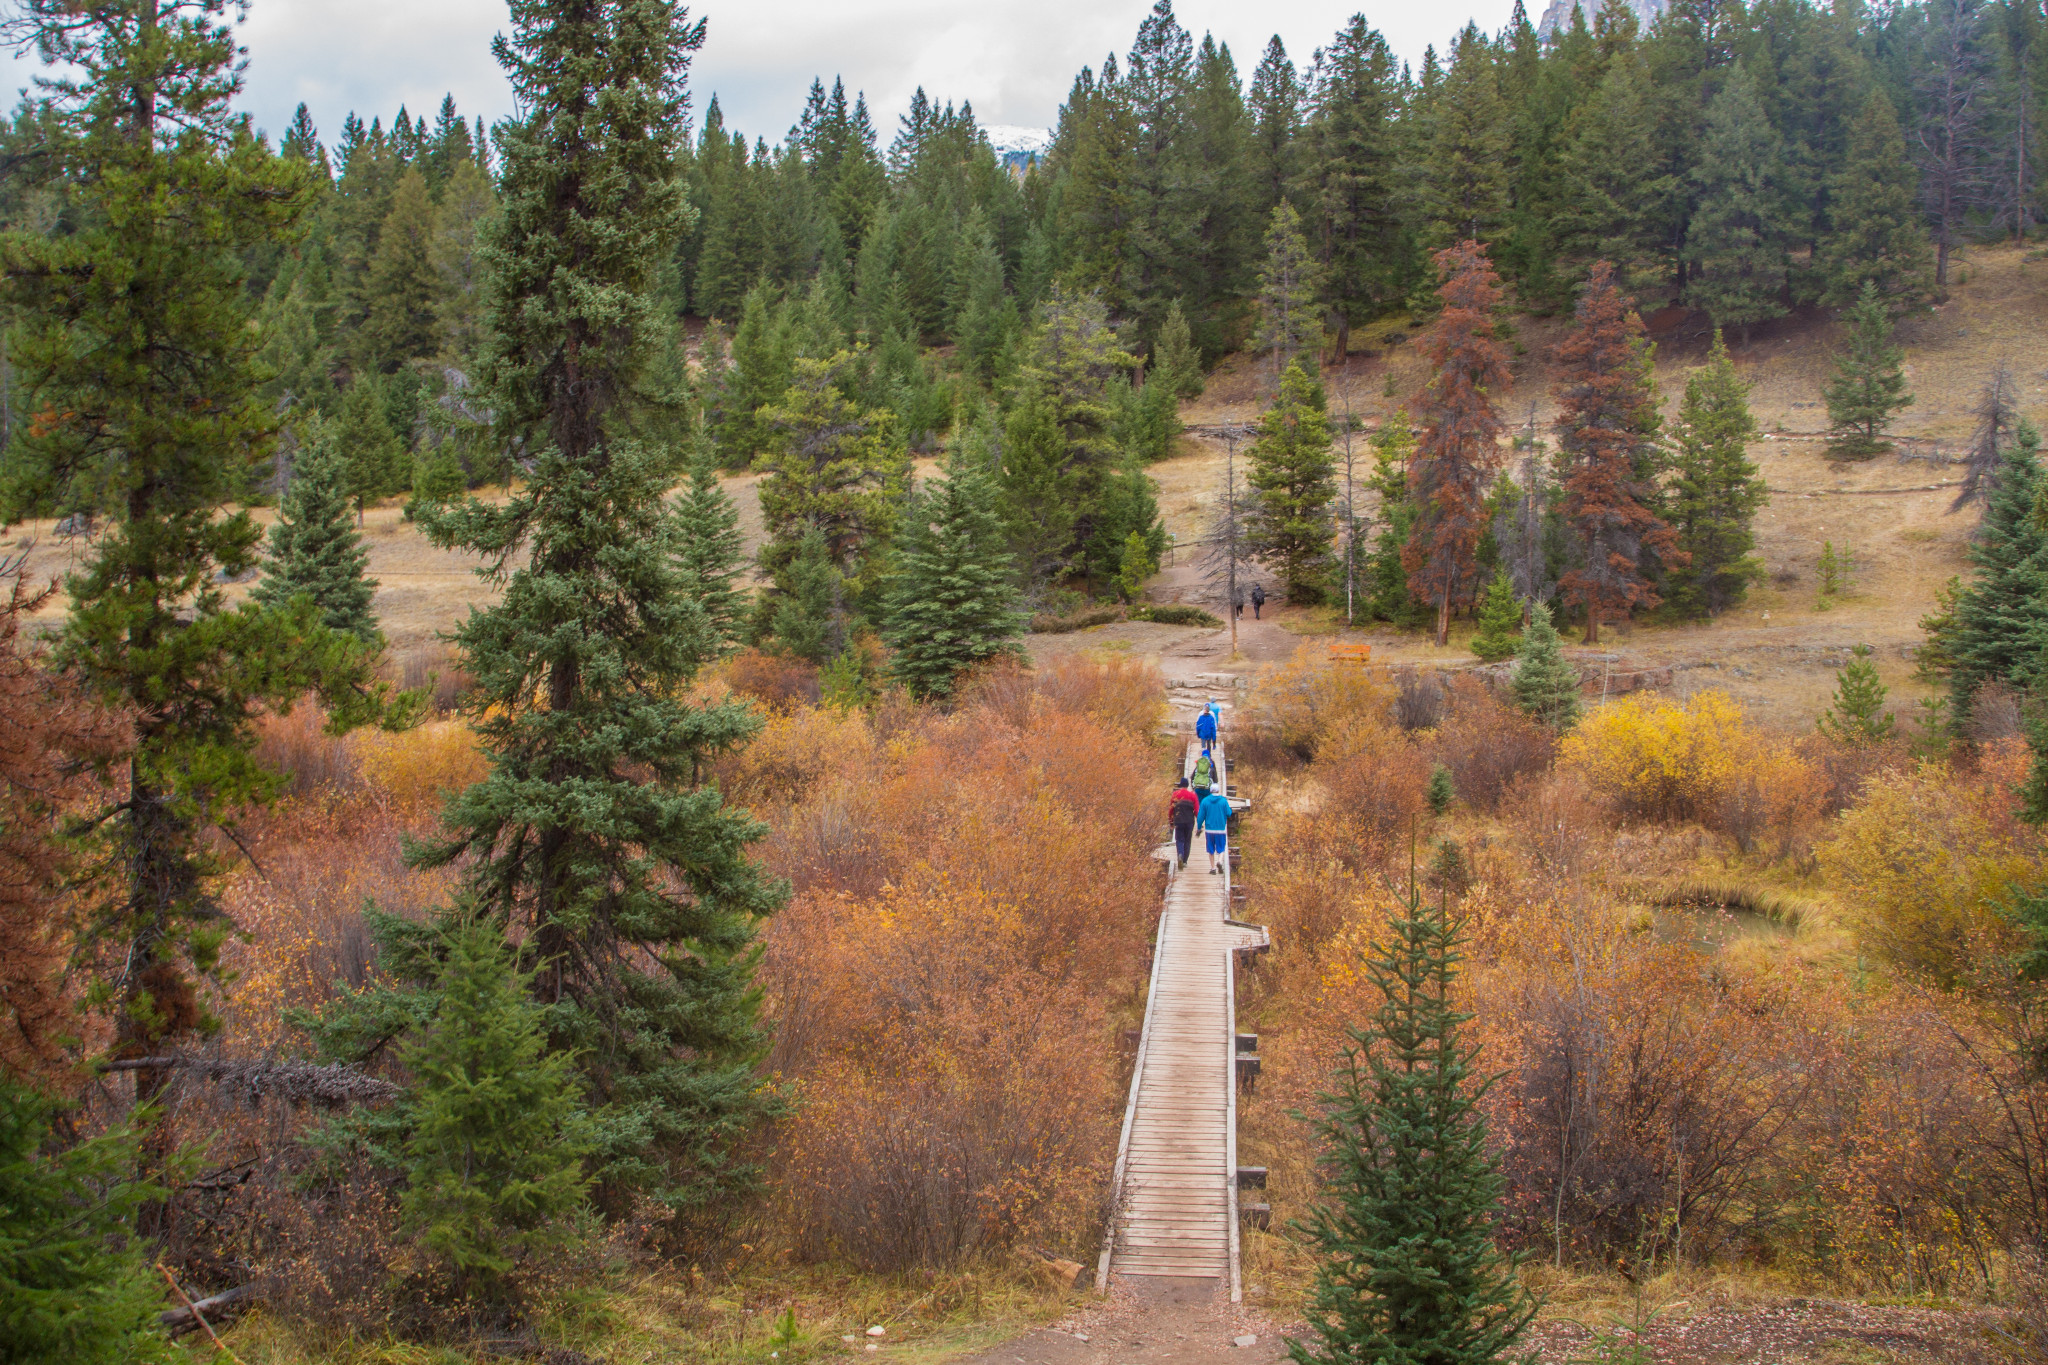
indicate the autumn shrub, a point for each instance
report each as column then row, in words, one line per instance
column 957, row 1112
column 312, row 761
column 1559, row 822
column 797, row 751
column 1308, row 701
column 1486, row 743
column 420, row 768
column 1375, row 788
column 1697, row 760
column 1418, row 699
column 434, row 668
column 1118, row 693
column 776, row 681
column 1919, row 864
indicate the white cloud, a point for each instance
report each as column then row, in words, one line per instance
column 1014, row 60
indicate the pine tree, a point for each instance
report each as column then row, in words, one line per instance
column 805, row 614
column 74, row 1285
column 1353, row 184
column 314, row 551
column 1607, row 431
column 1869, row 383
column 437, row 477
column 371, row 455
column 759, row 376
column 953, row 605
column 1175, row 362
column 1406, row 1267
column 1734, row 250
column 1465, row 190
column 713, row 555
column 1611, row 183
column 1386, row 580
column 1545, row 682
column 134, row 333
column 494, row 1159
column 1038, row 491
column 1876, row 232
column 1276, row 103
column 1458, row 452
column 404, row 288
column 1293, row 485
column 1715, row 492
column 640, row 921
column 1290, row 318
column 2001, row 615
column 466, row 200
column 1500, row 620
column 1857, row 715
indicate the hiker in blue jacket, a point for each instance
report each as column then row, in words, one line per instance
column 1212, row 818
column 1205, row 726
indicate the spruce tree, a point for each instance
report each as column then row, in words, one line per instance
column 713, row 555
column 1734, row 248
column 404, row 287
column 371, row 455
column 759, row 376
column 1546, row 683
column 1175, row 361
column 494, row 1155
column 1856, row 715
column 1290, row 316
column 1406, row 1266
column 1465, row 177
column 1607, row 432
column 1354, row 186
column 1441, row 792
column 1714, row 493
column 2001, row 615
column 1293, row 484
column 74, row 1285
column 1876, row 234
column 591, row 842
column 1276, row 103
column 1500, row 621
column 1458, row 452
column 134, row 332
column 437, row 477
column 1386, row 579
column 805, row 614
column 314, row 551
column 953, row 605
column 1038, row 489
column 1869, row 383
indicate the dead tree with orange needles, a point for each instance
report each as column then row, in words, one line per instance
column 1607, row 430
column 1458, row 450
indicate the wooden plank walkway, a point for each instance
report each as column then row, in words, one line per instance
column 1175, row 1183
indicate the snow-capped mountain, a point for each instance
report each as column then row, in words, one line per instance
column 1017, row 147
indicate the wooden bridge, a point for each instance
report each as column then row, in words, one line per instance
column 1175, row 1188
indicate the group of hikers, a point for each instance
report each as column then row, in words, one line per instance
column 1198, row 805
column 1258, row 601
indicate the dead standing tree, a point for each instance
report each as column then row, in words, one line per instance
column 1459, row 448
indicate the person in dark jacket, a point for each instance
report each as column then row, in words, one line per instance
column 1258, row 599
column 1205, row 729
column 1180, row 814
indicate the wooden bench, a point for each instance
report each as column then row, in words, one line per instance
column 1343, row 653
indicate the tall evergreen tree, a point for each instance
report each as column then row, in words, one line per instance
column 759, row 376
column 134, row 338
column 1611, row 184
column 1458, row 451
column 373, row 458
column 590, row 841
column 1607, row 432
column 1869, row 384
column 1500, row 617
column 1735, row 251
column 1175, row 361
column 953, row 605
column 1876, row 235
column 1714, row 493
column 1290, row 316
column 1292, row 486
column 1546, row 684
column 314, row 551
column 1406, row 1267
column 713, row 554
column 1386, row 579
column 404, row 287
column 1465, row 187
column 1276, row 102
column 2001, row 615
column 1351, row 178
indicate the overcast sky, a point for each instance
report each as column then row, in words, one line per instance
column 1015, row 59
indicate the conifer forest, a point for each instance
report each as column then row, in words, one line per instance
column 588, row 699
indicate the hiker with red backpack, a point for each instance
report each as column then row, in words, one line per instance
column 1180, row 814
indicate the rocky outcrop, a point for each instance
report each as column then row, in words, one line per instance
column 1558, row 16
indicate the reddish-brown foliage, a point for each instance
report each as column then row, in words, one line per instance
column 1486, row 743
column 1606, row 421
column 47, row 734
column 1457, row 448
column 775, row 680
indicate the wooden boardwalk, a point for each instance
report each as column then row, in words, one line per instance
column 1175, row 1185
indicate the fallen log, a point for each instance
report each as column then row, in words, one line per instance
column 180, row 1320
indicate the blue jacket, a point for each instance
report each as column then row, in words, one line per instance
column 1214, row 816
column 1205, row 727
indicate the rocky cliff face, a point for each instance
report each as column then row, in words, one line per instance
column 1559, row 14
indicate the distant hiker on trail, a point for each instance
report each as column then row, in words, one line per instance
column 1203, row 777
column 1205, row 729
column 1180, row 813
column 1258, row 599
column 1213, row 819
column 1237, row 603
